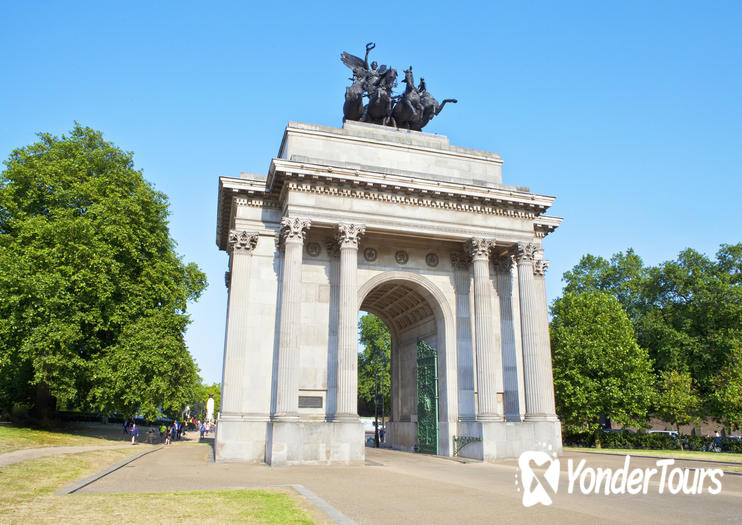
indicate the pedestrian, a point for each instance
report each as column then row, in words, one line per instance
column 163, row 429
column 167, row 435
column 134, row 433
column 202, row 429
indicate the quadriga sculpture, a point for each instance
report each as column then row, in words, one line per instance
column 412, row 109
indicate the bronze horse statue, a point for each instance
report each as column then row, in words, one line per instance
column 353, row 107
column 379, row 107
column 412, row 110
column 431, row 108
column 408, row 111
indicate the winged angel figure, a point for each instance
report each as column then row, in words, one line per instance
column 372, row 81
column 412, row 110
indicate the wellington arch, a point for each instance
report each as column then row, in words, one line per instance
column 419, row 232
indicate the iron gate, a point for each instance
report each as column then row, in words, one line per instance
column 427, row 398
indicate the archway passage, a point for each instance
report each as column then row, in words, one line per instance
column 409, row 311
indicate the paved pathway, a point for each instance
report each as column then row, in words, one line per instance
column 32, row 453
column 411, row 488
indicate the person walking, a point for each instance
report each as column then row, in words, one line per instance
column 134, row 433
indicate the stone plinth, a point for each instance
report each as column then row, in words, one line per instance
column 315, row 442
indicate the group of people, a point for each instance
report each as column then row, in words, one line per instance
column 168, row 433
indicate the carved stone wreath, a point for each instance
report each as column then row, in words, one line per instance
column 313, row 249
column 370, row 254
column 401, row 257
column 431, row 259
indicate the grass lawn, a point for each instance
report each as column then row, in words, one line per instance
column 16, row 438
column 28, row 497
column 677, row 454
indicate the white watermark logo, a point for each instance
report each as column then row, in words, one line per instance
column 540, row 486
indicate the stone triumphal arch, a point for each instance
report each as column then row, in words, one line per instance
column 422, row 234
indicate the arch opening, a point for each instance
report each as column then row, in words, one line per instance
column 411, row 310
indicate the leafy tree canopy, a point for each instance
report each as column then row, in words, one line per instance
column 687, row 312
column 599, row 369
column 92, row 294
column 375, row 361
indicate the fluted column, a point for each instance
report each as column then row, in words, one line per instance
column 489, row 364
column 539, row 384
column 465, row 351
column 512, row 388
column 241, row 246
column 293, row 230
column 347, row 382
column 547, row 388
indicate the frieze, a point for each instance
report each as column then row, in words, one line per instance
column 431, row 260
column 426, row 199
column 401, row 257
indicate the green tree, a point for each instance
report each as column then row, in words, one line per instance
column 677, row 399
column 695, row 322
column 687, row 313
column 92, row 294
column 374, row 362
column 198, row 404
column 624, row 276
column 727, row 391
column 599, row 369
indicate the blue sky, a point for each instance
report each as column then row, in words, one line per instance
column 628, row 112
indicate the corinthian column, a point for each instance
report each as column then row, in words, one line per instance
column 462, row 285
column 241, row 246
column 539, row 385
column 347, row 383
column 293, row 230
column 547, row 389
column 489, row 364
column 511, row 371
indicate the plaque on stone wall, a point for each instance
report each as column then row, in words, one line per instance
column 310, row 401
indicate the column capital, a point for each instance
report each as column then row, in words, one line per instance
column 294, row 228
column 479, row 248
column 540, row 266
column 333, row 248
column 349, row 234
column 504, row 263
column 460, row 260
column 524, row 252
column 242, row 241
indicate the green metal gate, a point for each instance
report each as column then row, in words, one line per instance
column 427, row 398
